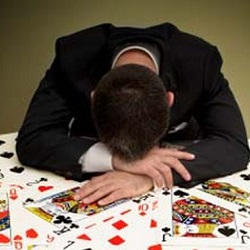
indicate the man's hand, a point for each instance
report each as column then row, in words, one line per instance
column 113, row 186
column 158, row 164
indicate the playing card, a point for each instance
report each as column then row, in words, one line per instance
column 164, row 216
column 22, row 182
column 5, row 226
column 124, row 227
column 237, row 198
column 62, row 210
column 27, row 229
column 37, row 247
column 138, row 223
column 205, row 247
column 34, row 184
column 195, row 218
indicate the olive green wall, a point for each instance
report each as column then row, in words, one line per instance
column 28, row 30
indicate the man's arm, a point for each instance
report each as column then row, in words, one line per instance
column 43, row 140
column 223, row 147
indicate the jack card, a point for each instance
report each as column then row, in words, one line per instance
column 131, row 226
column 61, row 210
column 238, row 199
column 191, row 217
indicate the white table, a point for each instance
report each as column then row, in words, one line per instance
column 20, row 184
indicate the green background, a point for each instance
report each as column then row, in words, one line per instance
column 28, row 30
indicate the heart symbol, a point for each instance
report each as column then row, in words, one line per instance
column 4, row 238
column 44, row 188
column 31, row 233
column 18, row 237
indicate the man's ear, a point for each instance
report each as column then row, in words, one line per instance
column 170, row 98
column 92, row 94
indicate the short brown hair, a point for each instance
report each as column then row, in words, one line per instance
column 130, row 110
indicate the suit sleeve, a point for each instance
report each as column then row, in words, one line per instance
column 43, row 141
column 223, row 147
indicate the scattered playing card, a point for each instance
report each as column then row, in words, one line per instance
column 62, row 210
column 230, row 193
column 195, row 218
column 173, row 219
column 124, row 227
column 5, row 230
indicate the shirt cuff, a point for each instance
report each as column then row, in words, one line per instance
column 96, row 159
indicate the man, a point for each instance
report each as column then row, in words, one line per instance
column 76, row 127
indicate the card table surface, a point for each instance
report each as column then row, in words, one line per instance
column 22, row 229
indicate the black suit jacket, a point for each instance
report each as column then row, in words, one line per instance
column 58, row 127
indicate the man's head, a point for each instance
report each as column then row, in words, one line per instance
column 130, row 110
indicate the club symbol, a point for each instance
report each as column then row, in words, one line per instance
column 62, row 219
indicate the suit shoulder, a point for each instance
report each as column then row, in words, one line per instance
column 81, row 47
column 190, row 49
column 88, row 34
column 193, row 43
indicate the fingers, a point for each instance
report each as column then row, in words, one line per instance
column 113, row 186
column 91, row 191
column 155, row 174
column 103, row 196
column 166, row 160
column 134, row 186
column 117, row 194
column 182, row 155
column 178, row 167
column 167, row 175
column 171, row 159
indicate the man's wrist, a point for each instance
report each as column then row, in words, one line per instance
column 120, row 164
column 116, row 162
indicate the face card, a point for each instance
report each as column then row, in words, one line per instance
column 195, row 218
column 62, row 210
column 5, row 229
column 116, row 228
column 164, row 219
column 238, row 199
column 37, row 188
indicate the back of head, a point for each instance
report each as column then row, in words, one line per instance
column 130, row 110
